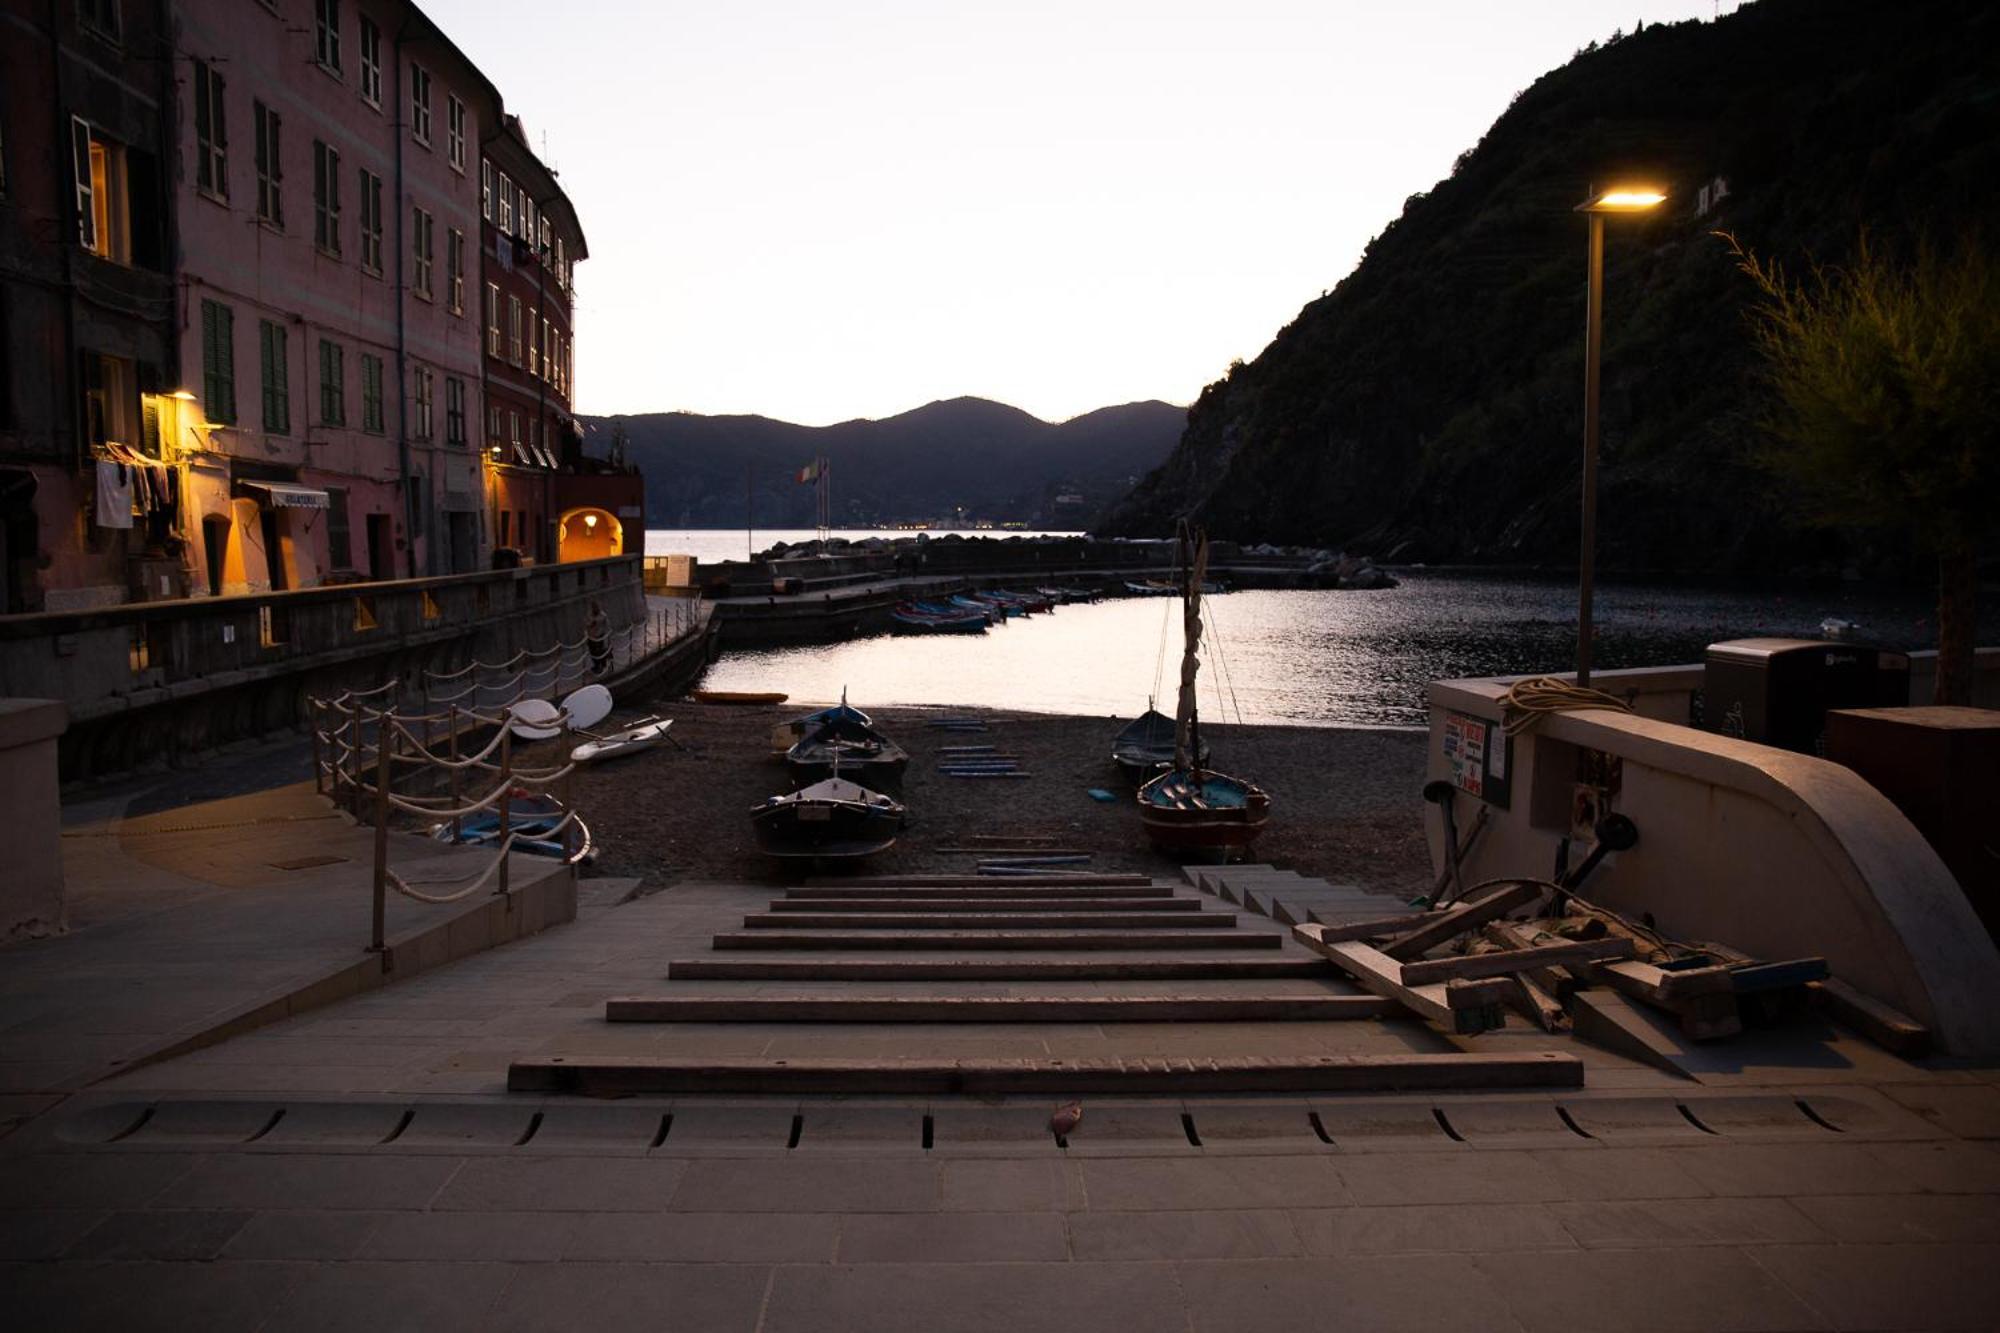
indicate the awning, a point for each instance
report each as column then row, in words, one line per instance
column 290, row 495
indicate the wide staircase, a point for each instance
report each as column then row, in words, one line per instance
column 1195, row 986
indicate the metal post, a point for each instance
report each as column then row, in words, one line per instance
column 383, row 748
column 457, row 780
column 506, row 796
column 313, row 715
column 1593, row 347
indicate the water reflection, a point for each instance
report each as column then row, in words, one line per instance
column 1317, row 658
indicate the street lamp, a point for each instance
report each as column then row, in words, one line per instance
column 1619, row 199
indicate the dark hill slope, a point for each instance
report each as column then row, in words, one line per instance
column 1431, row 405
column 996, row 462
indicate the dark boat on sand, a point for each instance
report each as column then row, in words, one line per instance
column 1146, row 746
column 843, row 745
column 831, row 820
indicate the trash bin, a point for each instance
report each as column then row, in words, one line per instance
column 1779, row 691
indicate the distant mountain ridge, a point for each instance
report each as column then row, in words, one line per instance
column 1430, row 406
column 992, row 461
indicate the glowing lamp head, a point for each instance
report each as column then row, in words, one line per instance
column 1624, row 199
column 182, row 395
column 590, row 520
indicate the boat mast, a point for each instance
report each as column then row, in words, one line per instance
column 1187, row 745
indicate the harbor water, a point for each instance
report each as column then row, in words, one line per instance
column 1319, row 658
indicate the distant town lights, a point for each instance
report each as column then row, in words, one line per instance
column 1624, row 199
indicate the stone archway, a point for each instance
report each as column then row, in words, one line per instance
column 589, row 533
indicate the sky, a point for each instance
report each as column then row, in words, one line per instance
column 818, row 210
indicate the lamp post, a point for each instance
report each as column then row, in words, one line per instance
column 1622, row 199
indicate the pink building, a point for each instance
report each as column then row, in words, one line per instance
column 327, row 199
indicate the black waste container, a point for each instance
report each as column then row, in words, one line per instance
column 1779, row 691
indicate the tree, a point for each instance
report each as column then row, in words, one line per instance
column 1885, row 399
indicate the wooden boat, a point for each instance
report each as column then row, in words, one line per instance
column 831, row 820
column 532, row 820
column 914, row 619
column 1146, row 746
column 843, row 744
column 739, row 696
column 1189, row 808
column 614, row 744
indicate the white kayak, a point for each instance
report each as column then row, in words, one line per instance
column 611, row 745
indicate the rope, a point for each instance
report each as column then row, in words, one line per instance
column 1528, row 701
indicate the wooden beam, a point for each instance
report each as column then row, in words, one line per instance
column 1888, row 1028
column 1455, row 920
column 1368, row 930
column 1464, row 1007
column 1542, row 1009
column 1237, row 1006
column 1558, row 980
column 1502, row 962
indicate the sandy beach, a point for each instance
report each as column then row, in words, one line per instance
column 1346, row 803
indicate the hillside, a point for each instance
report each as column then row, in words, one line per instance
column 992, row 461
column 1430, row 406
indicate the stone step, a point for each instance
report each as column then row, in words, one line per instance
column 999, row 969
column 667, row 1075
column 984, row 904
column 1249, row 1007
column 975, row 892
column 993, row 921
column 963, row 880
column 870, row 941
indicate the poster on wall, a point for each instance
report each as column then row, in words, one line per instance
column 1476, row 754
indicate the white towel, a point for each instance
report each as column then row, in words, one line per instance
column 114, row 494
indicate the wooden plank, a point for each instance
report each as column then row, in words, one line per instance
column 1663, row 987
column 1541, row 1008
column 865, row 941
column 1013, row 888
column 1613, row 1022
column 1889, row 1028
column 1464, row 1007
column 658, row 1075
column 1557, row 980
column 1238, row 1007
column 1456, row 920
column 1368, row 930
column 999, row 969
column 1502, row 962
column 989, row 921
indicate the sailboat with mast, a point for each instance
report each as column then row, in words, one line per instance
column 1190, row 807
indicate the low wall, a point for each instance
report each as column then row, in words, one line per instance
column 1778, row 854
column 31, row 892
column 157, row 680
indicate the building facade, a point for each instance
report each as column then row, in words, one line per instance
column 255, row 240
column 86, row 306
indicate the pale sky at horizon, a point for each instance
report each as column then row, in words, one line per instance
column 821, row 211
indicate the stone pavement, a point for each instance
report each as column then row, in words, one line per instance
column 189, row 918
column 361, row 1166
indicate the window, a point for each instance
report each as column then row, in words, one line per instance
column 485, row 189
column 527, row 219
column 493, row 321
column 339, row 546
column 211, row 132
column 422, row 229
column 277, row 385
column 493, row 428
column 506, row 222
column 270, row 165
column 326, row 34
column 559, row 261
column 454, row 411
column 514, row 443
column 100, row 191
column 332, row 383
column 515, row 351
column 371, row 62
column 371, row 222
column 542, row 247
column 101, row 17
column 454, row 130
column 218, row 363
column 454, row 264
column 371, row 393
column 326, row 197
column 534, row 348
column 421, row 390
column 420, row 104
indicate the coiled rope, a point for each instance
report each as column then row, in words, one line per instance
column 1528, row 701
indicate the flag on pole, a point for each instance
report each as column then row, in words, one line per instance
column 810, row 472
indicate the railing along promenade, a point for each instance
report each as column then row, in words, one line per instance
column 364, row 752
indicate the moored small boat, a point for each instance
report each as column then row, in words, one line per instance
column 629, row 740
column 1145, row 746
column 831, row 820
column 739, row 696
column 844, row 745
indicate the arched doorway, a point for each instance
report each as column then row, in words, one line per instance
column 589, row 533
